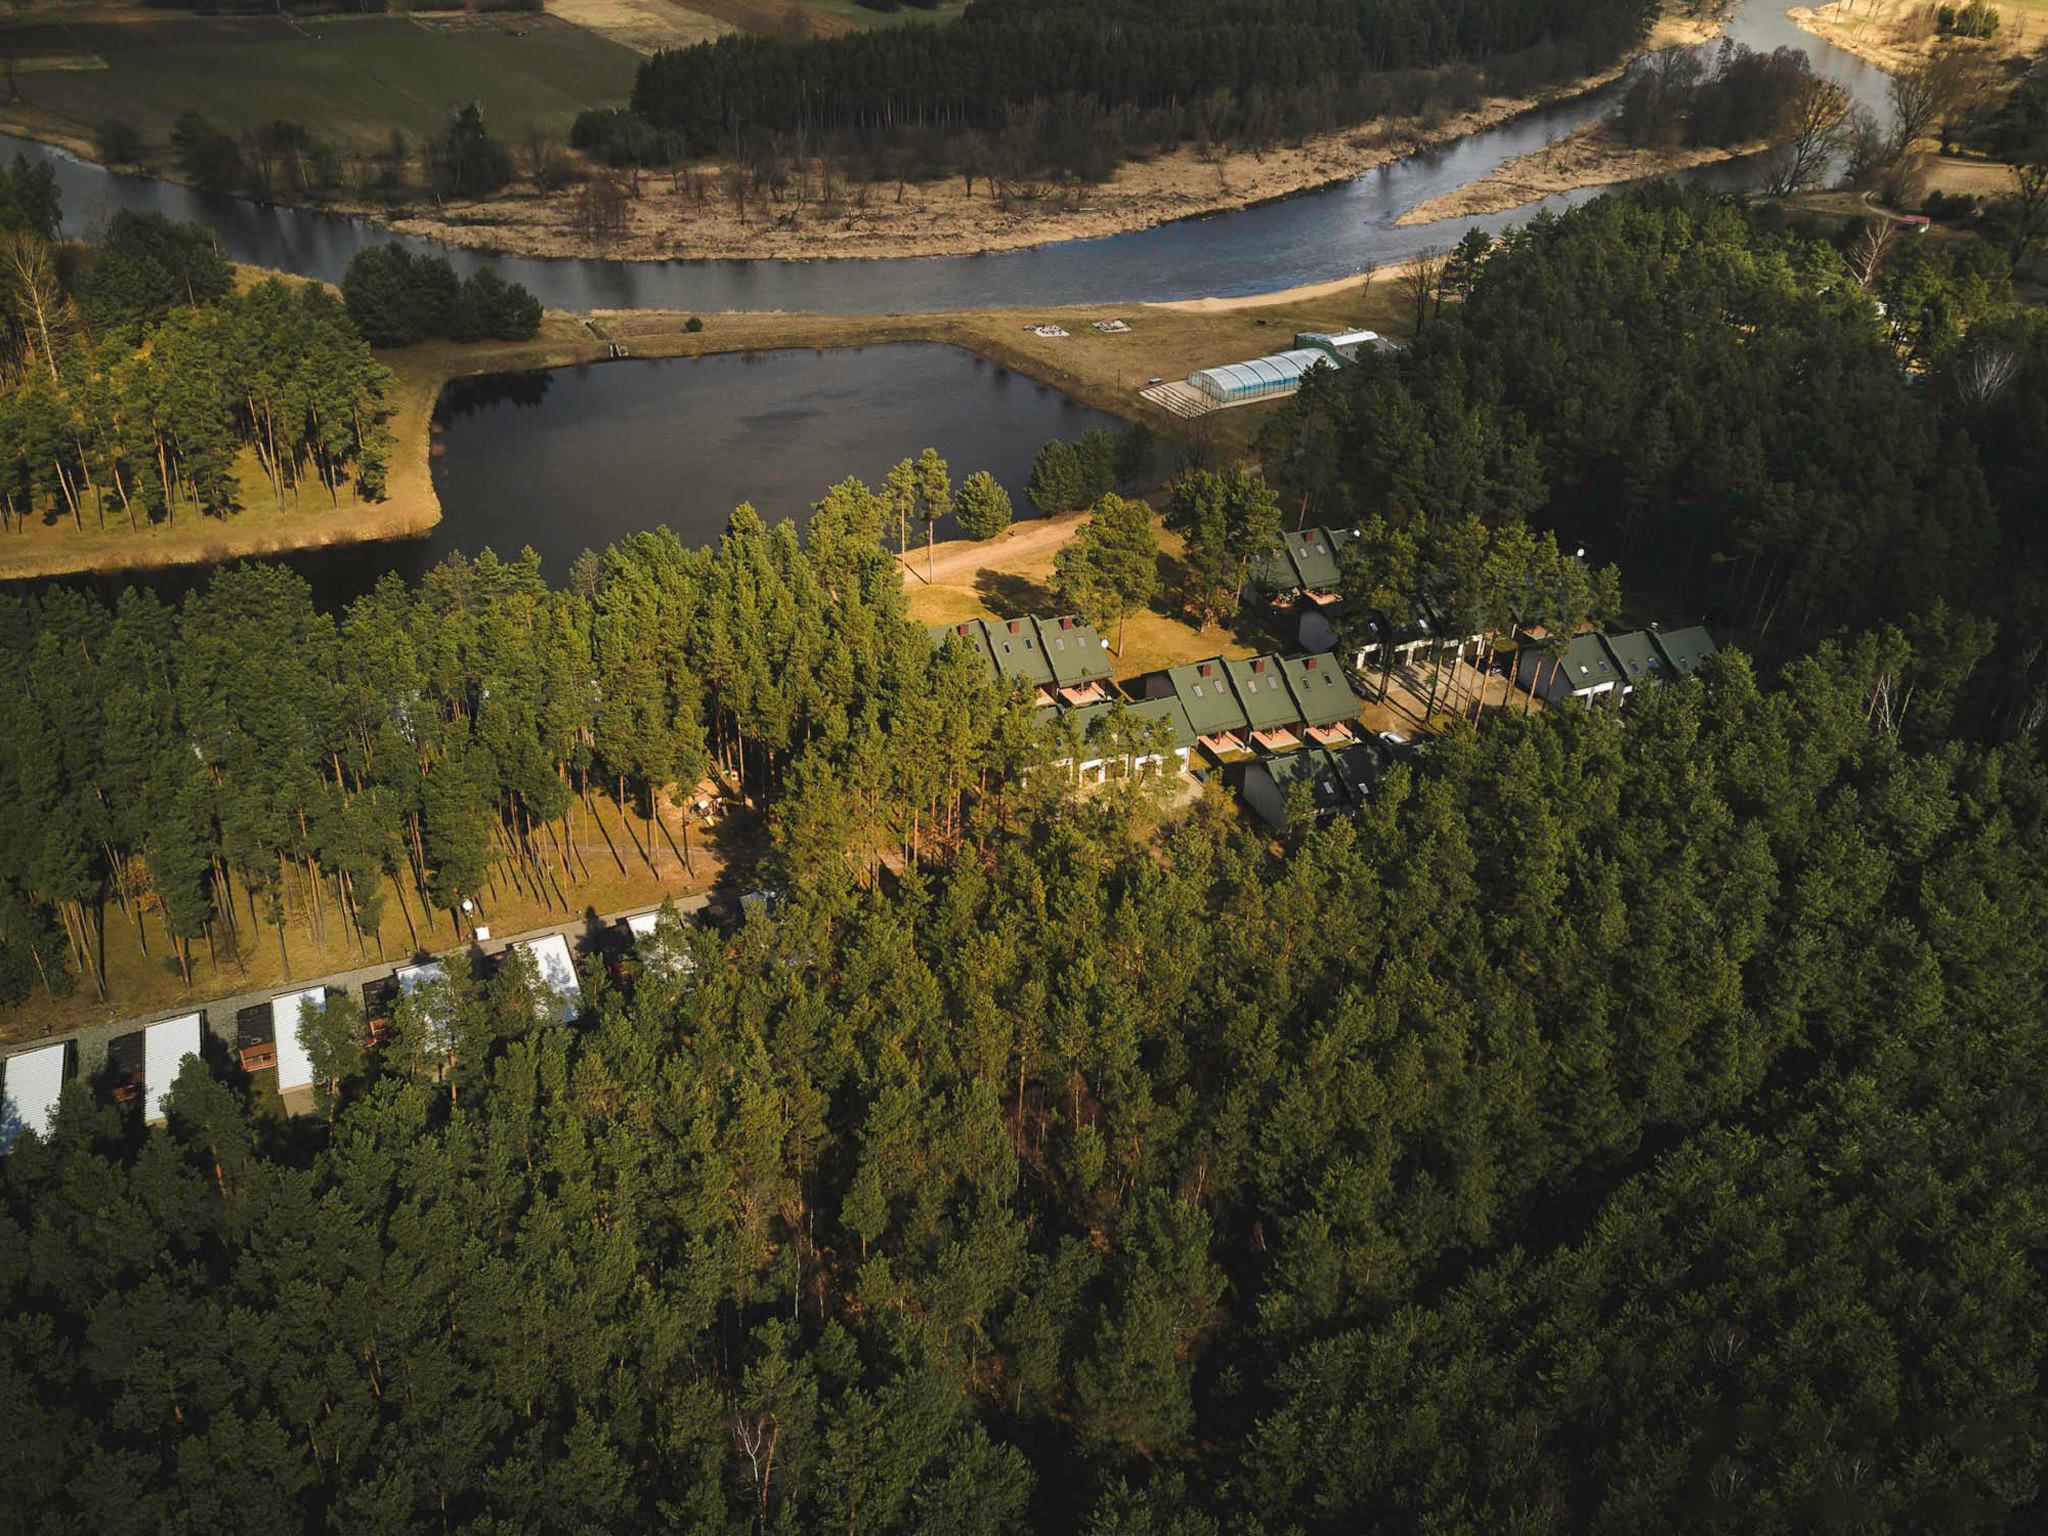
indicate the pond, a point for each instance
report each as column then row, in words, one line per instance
column 577, row 458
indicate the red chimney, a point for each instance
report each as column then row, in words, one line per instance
column 1311, row 663
column 1015, row 625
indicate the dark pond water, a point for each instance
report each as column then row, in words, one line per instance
column 577, row 458
column 1310, row 238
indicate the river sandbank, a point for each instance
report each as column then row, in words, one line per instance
column 697, row 219
column 1592, row 156
column 693, row 217
column 1894, row 34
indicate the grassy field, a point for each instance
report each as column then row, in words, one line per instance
column 350, row 80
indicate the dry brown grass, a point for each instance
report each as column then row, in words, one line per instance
column 140, row 983
column 641, row 25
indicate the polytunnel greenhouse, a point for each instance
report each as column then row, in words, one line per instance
column 1279, row 374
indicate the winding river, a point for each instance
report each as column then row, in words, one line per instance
column 1313, row 237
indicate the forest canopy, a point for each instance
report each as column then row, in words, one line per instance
column 1631, row 1120
column 1119, row 76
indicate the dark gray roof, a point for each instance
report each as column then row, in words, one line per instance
column 1587, row 663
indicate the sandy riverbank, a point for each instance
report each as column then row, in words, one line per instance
column 1593, row 156
column 1893, row 34
column 696, row 218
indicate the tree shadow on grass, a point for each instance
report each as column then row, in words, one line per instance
column 1009, row 595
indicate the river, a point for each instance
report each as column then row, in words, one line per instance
column 1330, row 233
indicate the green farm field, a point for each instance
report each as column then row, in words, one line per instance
column 350, row 80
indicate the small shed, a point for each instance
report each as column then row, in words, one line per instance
column 287, row 1018
column 30, row 1086
column 557, row 972
column 164, row 1049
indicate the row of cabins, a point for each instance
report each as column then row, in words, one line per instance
column 1595, row 666
column 269, row 1037
column 1257, row 710
column 1063, row 661
column 1302, row 579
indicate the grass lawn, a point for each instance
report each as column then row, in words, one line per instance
column 350, row 80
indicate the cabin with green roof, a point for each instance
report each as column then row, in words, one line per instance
column 1097, row 756
column 1204, row 693
column 1637, row 659
column 1322, row 694
column 1061, row 660
column 1584, row 672
column 1079, row 658
column 1269, row 709
column 1685, row 651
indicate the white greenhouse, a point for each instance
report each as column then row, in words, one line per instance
column 1259, row 379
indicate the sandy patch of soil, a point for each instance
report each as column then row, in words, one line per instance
column 1591, row 156
column 1893, row 34
column 644, row 26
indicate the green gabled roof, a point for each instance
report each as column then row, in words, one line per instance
column 1313, row 552
column 1359, row 766
column 1641, row 666
column 1685, row 651
column 1305, row 558
column 1320, row 689
column 1262, row 693
column 970, row 633
column 1587, row 663
column 1084, row 718
column 1014, row 644
column 1318, row 766
column 1204, row 691
column 1074, row 651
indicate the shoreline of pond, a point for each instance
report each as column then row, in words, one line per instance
column 1091, row 369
